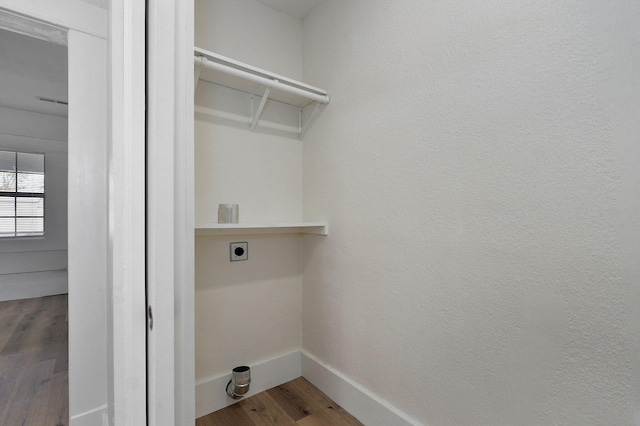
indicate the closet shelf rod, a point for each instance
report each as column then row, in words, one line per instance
column 269, row 82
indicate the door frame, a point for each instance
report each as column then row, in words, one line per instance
column 170, row 165
column 106, row 146
column 170, row 217
column 127, row 186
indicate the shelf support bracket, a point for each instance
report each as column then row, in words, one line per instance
column 305, row 127
column 258, row 113
column 197, row 71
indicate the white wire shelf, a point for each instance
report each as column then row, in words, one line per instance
column 218, row 69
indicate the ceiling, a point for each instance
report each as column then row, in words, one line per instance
column 103, row 4
column 295, row 8
column 30, row 67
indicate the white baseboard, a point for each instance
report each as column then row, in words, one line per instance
column 33, row 284
column 361, row 403
column 211, row 395
column 94, row 417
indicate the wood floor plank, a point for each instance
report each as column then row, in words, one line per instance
column 10, row 374
column 297, row 402
column 204, row 421
column 290, row 401
column 326, row 408
column 34, row 362
column 29, row 333
column 38, row 414
column 316, row 420
column 22, row 398
column 233, row 415
column 58, row 404
column 50, row 406
column 315, row 413
column 13, row 314
column 264, row 411
column 8, row 323
column 62, row 358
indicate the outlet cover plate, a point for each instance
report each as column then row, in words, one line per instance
column 239, row 251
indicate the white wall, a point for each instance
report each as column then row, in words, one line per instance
column 261, row 170
column 248, row 31
column 247, row 312
column 35, row 267
column 478, row 165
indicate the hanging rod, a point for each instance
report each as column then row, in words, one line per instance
column 247, row 74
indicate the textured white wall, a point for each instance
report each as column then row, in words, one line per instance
column 250, row 32
column 34, row 267
column 260, row 170
column 249, row 311
column 478, row 165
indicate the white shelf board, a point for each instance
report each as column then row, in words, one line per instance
column 214, row 229
column 243, row 85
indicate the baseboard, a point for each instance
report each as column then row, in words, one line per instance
column 361, row 403
column 33, row 284
column 94, row 417
column 210, row 393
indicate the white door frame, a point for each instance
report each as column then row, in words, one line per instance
column 170, row 170
column 170, row 219
column 126, row 300
column 106, row 177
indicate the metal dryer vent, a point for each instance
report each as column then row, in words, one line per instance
column 238, row 386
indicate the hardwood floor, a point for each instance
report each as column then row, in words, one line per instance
column 294, row 403
column 34, row 387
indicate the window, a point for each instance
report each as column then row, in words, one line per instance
column 21, row 194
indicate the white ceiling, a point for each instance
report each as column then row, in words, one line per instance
column 103, row 4
column 295, row 8
column 31, row 67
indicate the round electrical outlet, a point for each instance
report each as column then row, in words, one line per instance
column 239, row 251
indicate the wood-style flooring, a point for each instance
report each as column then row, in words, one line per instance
column 294, row 403
column 34, row 389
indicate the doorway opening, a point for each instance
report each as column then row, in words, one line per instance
column 33, row 229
